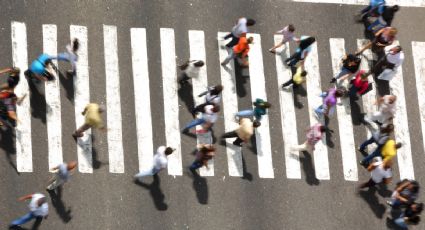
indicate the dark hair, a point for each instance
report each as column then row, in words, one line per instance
column 291, row 28
column 415, row 186
column 398, row 145
column 256, row 124
column 264, row 105
column 250, row 22
column 75, row 44
column 399, row 48
column 199, row 63
column 323, row 128
column 387, row 128
column 216, row 108
column 419, row 207
column 339, row 93
column 206, row 149
column 395, row 8
column 307, row 42
column 41, row 201
column 169, row 150
column 217, row 89
column 304, row 73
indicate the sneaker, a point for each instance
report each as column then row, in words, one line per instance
column 223, row 64
column 389, row 203
column 362, row 163
column 360, row 150
column 237, row 144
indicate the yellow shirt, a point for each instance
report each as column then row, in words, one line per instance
column 298, row 79
column 92, row 116
column 389, row 150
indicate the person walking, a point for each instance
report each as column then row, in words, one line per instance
column 384, row 20
column 314, row 134
column 385, row 112
column 244, row 132
column 260, row 109
column 41, row 68
column 159, row 162
column 379, row 137
column 329, row 103
column 384, row 37
column 386, row 151
column 297, row 79
column 70, row 55
column 410, row 216
column 301, row 53
column 390, row 63
column 288, row 36
column 8, row 102
column 239, row 51
column 380, row 172
column 212, row 97
column 375, row 7
column 190, row 70
column 38, row 209
column 205, row 153
column 12, row 79
column 350, row 65
column 239, row 30
column 62, row 174
column 209, row 117
column 93, row 119
column 359, row 85
column 405, row 193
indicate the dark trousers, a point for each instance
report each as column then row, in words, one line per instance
column 290, row 82
column 196, row 165
column 368, row 184
column 234, row 40
column 381, row 65
column 231, row 134
column 293, row 59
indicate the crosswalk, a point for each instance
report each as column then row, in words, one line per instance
column 172, row 122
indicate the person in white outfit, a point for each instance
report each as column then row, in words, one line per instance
column 190, row 70
column 62, row 174
column 38, row 209
column 70, row 55
column 288, row 35
column 386, row 110
column 159, row 162
column 390, row 63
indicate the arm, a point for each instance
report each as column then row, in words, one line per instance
column 6, row 70
column 84, row 112
column 371, row 167
column 388, row 180
column 22, row 198
column 348, row 75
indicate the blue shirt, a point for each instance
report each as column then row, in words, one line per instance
column 37, row 66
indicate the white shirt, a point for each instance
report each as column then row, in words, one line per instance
column 379, row 173
column 240, row 28
column 160, row 160
column 386, row 107
column 192, row 71
column 63, row 172
column 73, row 56
column 209, row 115
column 287, row 35
column 43, row 210
column 396, row 59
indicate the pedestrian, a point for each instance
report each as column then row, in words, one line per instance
column 159, row 162
column 38, row 209
column 239, row 30
column 93, row 119
column 260, row 109
column 359, row 85
column 329, row 102
column 380, row 172
column 375, row 7
column 301, row 53
column 70, row 55
column 239, row 51
column 288, row 35
column 383, row 20
column 190, row 70
column 410, row 216
column 62, row 174
column 212, row 97
column 41, row 68
column 12, row 79
column 350, row 65
column 314, row 134
column 384, row 37
column 390, row 63
column 379, row 137
column 205, row 153
column 244, row 132
column 297, row 79
column 8, row 101
column 208, row 118
column 405, row 193
column 387, row 151
column 385, row 112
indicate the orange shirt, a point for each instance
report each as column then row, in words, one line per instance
column 242, row 47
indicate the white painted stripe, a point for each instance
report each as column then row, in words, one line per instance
column 401, row 127
column 142, row 102
column 23, row 127
column 230, row 107
column 418, row 49
column 346, row 136
column 408, row 3
column 52, row 91
column 287, row 113
column 258, row 90
column 82, row 98
column 171, row 105
column 369, row 99
column 113, row 101
column 321, row 163
column 200, row 84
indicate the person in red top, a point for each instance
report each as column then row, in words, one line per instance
column 240, row 50
column 360, row 84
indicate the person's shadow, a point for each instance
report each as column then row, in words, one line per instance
column 372, row 200
column 307, row 163
column 200, row 186
column 68, row 84
column 37, row 100
column 185, row 93
column 155, row 192
column 240, row 78
column 56, row 197
column 7, row 144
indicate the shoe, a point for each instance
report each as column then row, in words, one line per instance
column 362, row 163
column 237, row 144
column 389, row 203
column 185, row 131
column 223, row 64
column 75, row 135
column 360, row 150
column 272, row 51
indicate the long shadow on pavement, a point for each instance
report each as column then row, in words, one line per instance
column 200, row 186
column 7, row 143
column 185, row 93
column 307, row 163
column 37, row 100
column 56, row 198
column 372, row 200
column 155, row 192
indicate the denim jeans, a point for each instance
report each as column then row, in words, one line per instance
column 231, row 56
column 149, row 172
column 196, row 165
column 24, row 219
column 400, row 222
column 374, row 154
column 342, row 72
column 248, row 113
column 194, row 123
column 320, row 110
column 366, row 143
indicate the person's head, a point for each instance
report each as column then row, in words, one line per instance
column 41, row 201
column 250, row 22
column 256, row 124
column 387, row 163
column 75, row 45
column 217, row 89
column 339, row 93
column 264, row 105
column 15, row 71
column 395, row 8
column 207, row 148
column 392, row 32
column 395, row 49
column 307, row 42
column 413, row 186
column 398, row 145
column 199, row 63
column 291, row 28
column 304, row 73
column 417, row 207
column 322, row 128
column 168, row 151
column 250, row 40
column 71, row 165
column 392, row 99
column 387, row 128
column 215, row 109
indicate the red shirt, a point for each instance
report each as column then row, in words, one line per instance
column 359, row 83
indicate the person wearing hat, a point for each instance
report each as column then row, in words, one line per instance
column 159, row 162
column 92, row 113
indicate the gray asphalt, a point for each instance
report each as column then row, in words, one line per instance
column 112, row 201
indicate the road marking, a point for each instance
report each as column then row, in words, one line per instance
column 23, row 127
column 408, row 3
column 171, row 104
column 321, row 163
column 200, row 84
column 82, row 98
column 401, row 127
column 113, row 101
column 258, row 90
column 369, row 98
column 418, row 49
column 230, row 107
column 345, row 124
column 52, row 92
column 287, row 113
column 142, row 102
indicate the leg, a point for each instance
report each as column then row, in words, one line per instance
column 195, row 165
column 368, row 184
column 230, row 134
column 184, row 78
column 366, row 143
column 288, row 83
column 144, row 173
column 369, row 157
column 401, row 223
column 23, row 219
column 229, row 35
column 302, row 147
column 233, row 42
column 193, row 124
column 238, row 142
column 79, row 132
column 231, row 56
